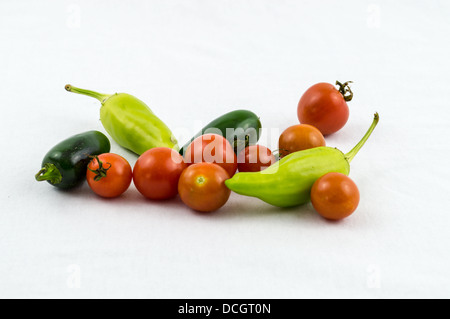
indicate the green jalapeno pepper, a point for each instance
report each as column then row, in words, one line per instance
column 130, row 122
column 65, row 165
column 245, row 129
column 289, row 181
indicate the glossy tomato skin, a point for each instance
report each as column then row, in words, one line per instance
column 335, row 196
column 324, row 107
column 255, row 158
column 202, row 187
column 157, row 171
column 118, row 175
column 298, row 138
column 212, row 148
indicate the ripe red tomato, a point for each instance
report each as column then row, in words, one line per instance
column 109, row 175
column 202, row 187
column 212, row 148
column 255, row 158
column 335, row 196
column 298, row 138
column 157, row 171
column 325, row 107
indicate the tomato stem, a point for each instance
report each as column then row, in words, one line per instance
column 350, row 155
column 49, row 173
column 345, row 90
column 101, row 171
column 99, row 96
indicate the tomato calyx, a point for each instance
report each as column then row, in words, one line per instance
column 345, row 90
column 201, row 180
column 101, row 171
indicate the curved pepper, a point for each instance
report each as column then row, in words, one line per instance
column 130, row 122
column 245, row 127
column 64, row 166
column 289, row 181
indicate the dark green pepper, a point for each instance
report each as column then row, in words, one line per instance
column 288, row 182
column 244, row 129
column 64, row 166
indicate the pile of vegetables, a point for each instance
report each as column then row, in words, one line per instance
column 222, row 157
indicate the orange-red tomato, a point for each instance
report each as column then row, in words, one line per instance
column 255, row 158
column 324, row 107
column 212, row 148
column 202, row 187
column 298, row 138
column 335, row 196
column 157, row 171
column 109, row 175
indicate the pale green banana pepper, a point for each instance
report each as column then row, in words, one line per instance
column 130, row 122
column 288, row 182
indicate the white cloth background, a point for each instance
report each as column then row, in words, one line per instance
column 191, row 61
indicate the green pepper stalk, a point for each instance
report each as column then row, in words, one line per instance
column 350, row 155
column 130, row 122
column 49, row 173
column 288, row 182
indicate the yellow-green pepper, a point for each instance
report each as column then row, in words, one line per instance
column 130, row 122
column 289, row 181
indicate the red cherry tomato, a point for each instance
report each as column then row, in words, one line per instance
column 335, row 196
column 109, row 175
column 298, row 138
column 255, row 158
column 202, row 187
column 212, row 148
column 157, row 171
column 325, row 107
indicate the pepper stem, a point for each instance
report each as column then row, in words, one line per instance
column 350, row 155
column 345, row 90
column 99, row 96
column 101, row 171
column 49, row 173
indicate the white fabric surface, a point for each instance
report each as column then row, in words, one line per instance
column 191, row 61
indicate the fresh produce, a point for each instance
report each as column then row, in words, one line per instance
column 203, row 172
column 130, row 121
column 202, row 188
column 109, row 175
column 325, row 107
column 243, row 129
column 64, row 166
column 335, row 196
column 298, row 138
column 288, row 182
column 212, row 148
column 255, row 158
column 157, row 171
